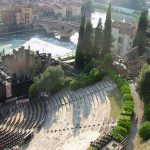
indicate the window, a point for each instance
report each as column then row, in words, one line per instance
column 120, row 32
column 120, row 40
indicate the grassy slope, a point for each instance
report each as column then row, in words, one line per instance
column 115, row 100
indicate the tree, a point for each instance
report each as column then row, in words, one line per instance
column 144, row 130
column 141, row 32
column 49, row 81
column 107, row 41
column 88, row 41
column 98, row 38
column 143, row 83
column 147, row 112
column 86, row 9
column 79, row 62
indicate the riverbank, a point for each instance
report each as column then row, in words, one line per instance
column 116, row 9
column 20, row 31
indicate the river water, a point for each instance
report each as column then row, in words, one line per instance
column 55, row 46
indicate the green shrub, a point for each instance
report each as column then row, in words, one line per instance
column 117, row 136
column 124, row 122
column 83, row 80
column 121, row 130
column 147, row 112
column 33, row 91
column 144, row 130
column 127, row 97
column 128, row 106
column 74, row 84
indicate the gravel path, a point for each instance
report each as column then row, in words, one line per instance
column 133, row 142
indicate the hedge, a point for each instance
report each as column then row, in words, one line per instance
column 127, row 108
column 117, row 136
column 124, row 122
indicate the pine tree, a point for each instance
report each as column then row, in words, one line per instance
column 88, row 52
column 98, row 38
column 79, row 62
column 107, row 40
column 141, row 32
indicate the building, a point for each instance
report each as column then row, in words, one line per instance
column 23, row 15
column 56, row 9
column 123, row 35
column 8, row 16
column 18, row 70
column 17, row 15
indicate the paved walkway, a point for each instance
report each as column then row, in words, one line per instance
column 133, row 142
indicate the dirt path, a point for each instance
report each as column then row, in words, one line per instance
column 134, row 140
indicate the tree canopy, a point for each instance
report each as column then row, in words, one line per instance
column 98, row 38
column 143, row 83
column 49, row 81
column 107, row 41
column 79, row 62
column 140, row 37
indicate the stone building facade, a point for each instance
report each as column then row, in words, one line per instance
column 123, row 34
column 17, row 15
column 24, row 61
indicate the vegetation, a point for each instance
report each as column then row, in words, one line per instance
column 88, row 40
column 144, row 130
column 140, row 37
column 147, row 112
column 50, row 81
column 98, row 39
column 83, row 80
column 126, row 108
column 143, row 87
column 143, row 83
column 79, row 62
column 107, row 40
column 116, row 101
column 92, row 45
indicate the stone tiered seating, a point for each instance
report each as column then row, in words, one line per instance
column 18, row 120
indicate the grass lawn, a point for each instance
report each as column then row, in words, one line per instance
column 115, row 101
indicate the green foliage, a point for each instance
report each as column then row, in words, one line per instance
column 140, row 37
column 107, row 41
column 124, row 122
column 143, row 83
column 83, row 80
column 127, row 97
column 88, row 40
column 128, row 107
column 49, row 81
column 147, row 112
column 117, row 136
column 94, row 63
column 144, row 130
column 98, row 38
column 79, row 61
column 121, row 130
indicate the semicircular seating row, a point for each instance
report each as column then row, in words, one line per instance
column 19, row 121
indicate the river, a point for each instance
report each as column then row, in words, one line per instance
column 55, row 46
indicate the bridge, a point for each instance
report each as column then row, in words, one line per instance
column 64, row 28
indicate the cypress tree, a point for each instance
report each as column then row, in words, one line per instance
column 88, row 52
column 79, row 62
column 98, row 38
column 107, row 41
column 141, row 32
